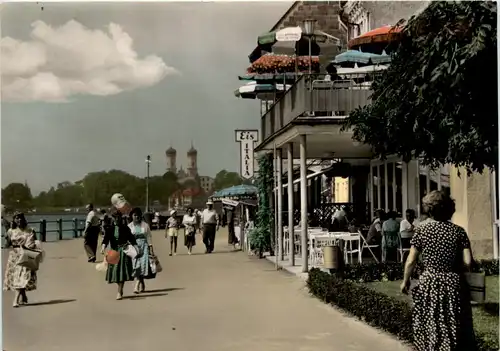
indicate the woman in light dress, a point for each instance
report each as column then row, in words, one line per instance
column 189, row 220
column 141, row 265
column 172, row 231
column 18, row 278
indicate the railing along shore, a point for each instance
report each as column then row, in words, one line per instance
column 77, row 228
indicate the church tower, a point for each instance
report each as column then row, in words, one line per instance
column 171, row 160
column 192, row 168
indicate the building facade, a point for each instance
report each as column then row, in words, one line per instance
column 292, row 126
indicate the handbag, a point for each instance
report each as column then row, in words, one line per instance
column 155, row 265
column 102, row 267
column 131, row 251
column 477, row 286
column 29, row 258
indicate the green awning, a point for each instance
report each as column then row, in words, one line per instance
column 267, row 38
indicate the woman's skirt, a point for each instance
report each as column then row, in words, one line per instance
column 190, row 238
column 18, row 277
column 142, row 268
column 442, row 315
column 122, row 271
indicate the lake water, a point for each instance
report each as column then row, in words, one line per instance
column 52, row 235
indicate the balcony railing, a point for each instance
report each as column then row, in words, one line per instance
column 312, row 96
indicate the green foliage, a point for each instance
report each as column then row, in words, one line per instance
column 225, row 179
column 98, row 187
column 374, row 308
column 390, row 271
column 260, row 237
column 17, row 196
column 438, row 98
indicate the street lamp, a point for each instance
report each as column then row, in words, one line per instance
column 309, row 32
column 148, row 162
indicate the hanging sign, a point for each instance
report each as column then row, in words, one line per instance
column 247, row 140
column 230, row 202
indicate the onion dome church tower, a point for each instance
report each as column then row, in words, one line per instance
column 171, row 160
column 192, row 168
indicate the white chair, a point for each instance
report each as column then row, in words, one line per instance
column 404, row 244
column 352, row 245
column 365, row 245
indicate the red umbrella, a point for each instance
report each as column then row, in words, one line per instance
column 385, row 34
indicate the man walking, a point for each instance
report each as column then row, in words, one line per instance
column 210, row 223
column 91, row 233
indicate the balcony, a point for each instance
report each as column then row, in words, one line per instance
column 313, row 98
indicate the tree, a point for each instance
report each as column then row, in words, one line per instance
column 438, row 99
column 17, row 196
column 225, row 179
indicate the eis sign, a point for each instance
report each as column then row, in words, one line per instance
column 247, row 140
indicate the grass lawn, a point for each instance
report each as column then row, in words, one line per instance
column 485, row 316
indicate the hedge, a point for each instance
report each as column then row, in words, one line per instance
column 374, row 308
column 373, row 272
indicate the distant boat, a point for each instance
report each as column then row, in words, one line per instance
column 67, row 210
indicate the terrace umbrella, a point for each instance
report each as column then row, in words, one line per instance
column 254, row 90
column 237, row 192
column 269, row 77
column 291, row 40
column 377, row 40
column 366, row 58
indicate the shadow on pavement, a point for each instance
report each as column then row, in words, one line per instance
column 143, row 296
column 213, row 253
column 161, row 290
column 50, row 302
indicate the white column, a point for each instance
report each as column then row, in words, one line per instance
column 303, row 204
column 427, row 179
column 279, row 170
column 370, row 195
column 291, row 234
column 494, row 217
column 404, row 185
column 379, row 198
column 395, row 187
column 386, row 187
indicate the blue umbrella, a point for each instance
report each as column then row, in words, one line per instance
column 237, row 192
column 356, row 56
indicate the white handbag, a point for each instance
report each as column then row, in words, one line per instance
column 131, row 251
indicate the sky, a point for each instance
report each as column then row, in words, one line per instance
column 87, row 87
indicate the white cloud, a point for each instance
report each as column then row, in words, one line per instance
column 69, row 60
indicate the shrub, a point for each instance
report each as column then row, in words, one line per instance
column 373, row 307
column 389, row 271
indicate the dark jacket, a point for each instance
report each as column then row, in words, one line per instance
column 125, row 236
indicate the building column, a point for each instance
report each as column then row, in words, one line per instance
column 370, row 193
column 291, row 224
column 303, row 204
column 279, row 171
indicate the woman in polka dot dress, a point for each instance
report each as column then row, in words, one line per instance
column 442, row 315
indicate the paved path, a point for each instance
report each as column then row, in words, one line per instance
column 217, row 302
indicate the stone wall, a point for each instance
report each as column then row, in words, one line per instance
column 326, row 13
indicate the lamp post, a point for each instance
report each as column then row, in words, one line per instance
column 309, row 32
column 148, row 162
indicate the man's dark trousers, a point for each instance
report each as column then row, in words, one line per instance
column 209, row 236
column 90, row 242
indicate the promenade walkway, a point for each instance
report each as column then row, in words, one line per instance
column 223, row 301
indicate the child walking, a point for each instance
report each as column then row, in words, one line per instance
column 172, row 231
